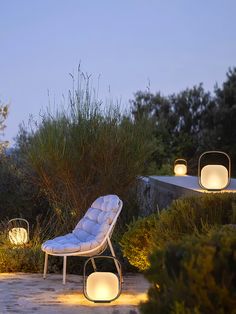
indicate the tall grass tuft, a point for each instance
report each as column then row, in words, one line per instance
column 85, row 151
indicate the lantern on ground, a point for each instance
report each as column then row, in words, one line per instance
column 214, row 169
column 180, row 167
column 100, row 286
column 18, row 231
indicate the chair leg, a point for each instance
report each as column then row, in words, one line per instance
column 94, row 265
column 114, row 255
column 45, row 266
column 64, row 270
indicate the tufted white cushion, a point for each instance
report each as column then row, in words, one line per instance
column 91, row 229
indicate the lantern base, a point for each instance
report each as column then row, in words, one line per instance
column 100, row 301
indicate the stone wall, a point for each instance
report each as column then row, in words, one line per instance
column 156, row 195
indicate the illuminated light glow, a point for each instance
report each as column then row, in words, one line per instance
column 214, row 177
column 125, row 299
column 180, row 167
column 102, row 286
column 18, row 236
column 214, row 169
column 180, row 170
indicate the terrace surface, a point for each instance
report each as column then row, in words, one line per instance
column 29, row 293
column 190, row 183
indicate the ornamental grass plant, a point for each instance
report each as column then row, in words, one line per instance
column 86, row 150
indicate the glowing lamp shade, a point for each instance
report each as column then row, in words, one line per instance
column 18, row 231
column 214, row 170
column 18, row 236
column 214, row 177
column 102, row 286
column 180, row 167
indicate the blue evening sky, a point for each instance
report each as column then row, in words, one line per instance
column 174, row 44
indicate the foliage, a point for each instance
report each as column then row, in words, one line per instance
column 83, row 152
column 191, row 121
column 178, row 119
column 30, row 258
column 194, row 275
column 189, row 215
column 137, row 241
column 3, row 116
column 21, row 259
column 165, row 170
column 225, row 116
column 18, row 197
column 27, row 257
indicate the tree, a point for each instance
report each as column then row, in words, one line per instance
column 225, row 116
column 181, row 122
column 157, row 109
column 3, row 116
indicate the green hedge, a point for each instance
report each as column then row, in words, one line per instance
column 195, row 214
column 194, row 275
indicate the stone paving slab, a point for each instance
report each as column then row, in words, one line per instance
column 30, row 293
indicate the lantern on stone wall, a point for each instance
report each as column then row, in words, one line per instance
column 101, row 286
column 214, row 169
column 180, row 167
column 18, row 231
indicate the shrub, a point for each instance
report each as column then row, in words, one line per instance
column 83, row 152
column 18, row 197
column 195, row 214
column 21, row 259
column 194, row 275
column 137, row 241
column 70, row 158
column 27, row 257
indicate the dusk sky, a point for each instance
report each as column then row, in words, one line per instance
column 173, row 44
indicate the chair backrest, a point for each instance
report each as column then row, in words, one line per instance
column 99, row 220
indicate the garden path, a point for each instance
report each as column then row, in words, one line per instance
column 29, row 293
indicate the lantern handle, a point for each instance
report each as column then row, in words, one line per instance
column 184, row 161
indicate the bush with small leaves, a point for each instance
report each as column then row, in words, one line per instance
column 189, row 215
column 137, row 241
column 194, row 275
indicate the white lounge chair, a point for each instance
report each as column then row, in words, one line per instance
column 90, row 237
